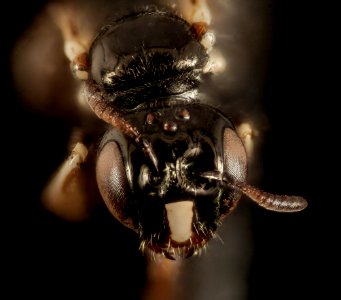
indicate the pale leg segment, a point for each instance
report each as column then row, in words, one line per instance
column 199, row 12
column 247, row 135
column 62, row 15
column 76, row 42
column 195, row 11
column 162, row 279
column 65, row 195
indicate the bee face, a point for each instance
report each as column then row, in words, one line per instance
column 168, row 200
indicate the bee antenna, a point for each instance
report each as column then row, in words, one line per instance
column 280, row 203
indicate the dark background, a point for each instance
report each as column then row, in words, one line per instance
column 40, row 251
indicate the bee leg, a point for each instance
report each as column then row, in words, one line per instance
column 247, row 135
column 216, row 62
column 40, row 58
column 62, row 16
column 198, row 14
column 76, row 43
column 67, row 193
column 195, row 11
column 162, row 279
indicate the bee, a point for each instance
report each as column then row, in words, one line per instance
column 151, row 141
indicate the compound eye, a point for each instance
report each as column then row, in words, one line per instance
column 235, row 161
column 113, row 183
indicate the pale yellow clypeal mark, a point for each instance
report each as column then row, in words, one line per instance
column 180, row 217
